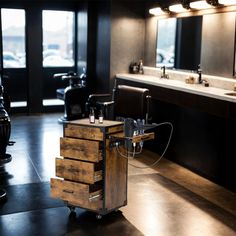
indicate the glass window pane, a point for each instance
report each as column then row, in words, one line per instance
column 166, row 35
column 58, row 38
column 13, row 38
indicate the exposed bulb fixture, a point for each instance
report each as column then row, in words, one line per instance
column 157, row 11
column 187, row 7
column 178, row 8
column 227, row 2
column 200, row 5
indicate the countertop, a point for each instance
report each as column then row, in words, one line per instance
column 198, row 89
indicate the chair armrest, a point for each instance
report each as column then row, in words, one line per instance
column 93, row 98
column 99, row 99
column 99, row 95
column 105, row 103
column 149, row 108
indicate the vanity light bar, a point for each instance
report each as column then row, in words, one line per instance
column 200, row 5
column 196, row 5
column 227, row 2
column 178, row 8
column 157, row 11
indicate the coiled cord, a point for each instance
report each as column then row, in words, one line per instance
column 158, row 160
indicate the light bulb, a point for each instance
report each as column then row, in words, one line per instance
column 178, row 8
column 199, row 5
column 227, row 2
column 157, row 11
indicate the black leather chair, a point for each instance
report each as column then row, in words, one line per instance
column 5, row 131
column 74, row 96
column 74, row 107
column 124, row 102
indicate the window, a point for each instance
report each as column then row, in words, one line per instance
column 58, row 38
column 166, row 34
column 13, row 38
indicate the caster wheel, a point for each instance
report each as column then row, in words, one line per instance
column 99, row 217
column 72, row 215
column 72, row 209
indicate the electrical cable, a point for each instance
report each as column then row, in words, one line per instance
column 158, row 160
column 139, row 152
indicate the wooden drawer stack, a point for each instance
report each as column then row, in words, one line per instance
column 91, row 173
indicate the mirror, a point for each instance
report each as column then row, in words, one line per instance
column 166, row 38
column 208, row 40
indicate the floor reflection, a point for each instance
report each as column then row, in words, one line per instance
column 166, row 200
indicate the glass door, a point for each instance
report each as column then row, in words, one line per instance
column 58, row 51
column 14, row 55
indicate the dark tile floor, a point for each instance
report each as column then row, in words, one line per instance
column 165, row 200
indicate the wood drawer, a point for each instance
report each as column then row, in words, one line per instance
column 84, row 132
column 80, row 171
column 91, row 131
column 80, row 149
column 77, row 194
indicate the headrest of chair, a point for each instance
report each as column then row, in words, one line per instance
column 133, row 89
column 131, row 101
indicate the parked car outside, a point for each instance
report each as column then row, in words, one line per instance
column 56, row 61
column 164, row 58
column 11, row 61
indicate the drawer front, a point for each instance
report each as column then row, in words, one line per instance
column 84, row 132
column 85, row 172
column 80, row 149
column 76, row 194
column 115, row 129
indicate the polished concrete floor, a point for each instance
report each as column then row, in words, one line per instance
column 164, row 200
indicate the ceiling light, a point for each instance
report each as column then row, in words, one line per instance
column 227, row 2
column 200, row 5
column 178, row 8
column 157, row 11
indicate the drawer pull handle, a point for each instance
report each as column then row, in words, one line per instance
column 94, row 197
column 97, row 177
column 68, row 191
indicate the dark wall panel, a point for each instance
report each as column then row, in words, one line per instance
column 82, row 38
column 103, row 47
column 127, row 36
column 16, row 84
column 98, row 45
column 34, row 59
column 150, row 41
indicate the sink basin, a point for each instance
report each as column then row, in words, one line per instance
column 231, row 94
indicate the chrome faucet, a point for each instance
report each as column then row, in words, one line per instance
column 200, row 80
column 199, row 71
column 164, row 75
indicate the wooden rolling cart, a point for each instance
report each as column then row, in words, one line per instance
column 91, row 173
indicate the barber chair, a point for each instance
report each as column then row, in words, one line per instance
column 5, row 130
column 74, row 96
column 127, row 103
column 124, row 102
column 131, row 105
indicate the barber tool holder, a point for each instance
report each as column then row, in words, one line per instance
column 91, row 175
column 121, row 139
column 134, row 132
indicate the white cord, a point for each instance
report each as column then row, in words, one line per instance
column 140, row 151
column 157, row 161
